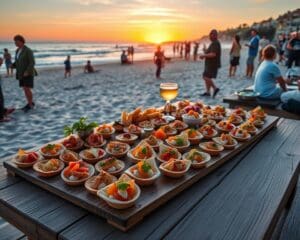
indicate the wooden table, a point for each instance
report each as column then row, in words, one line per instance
column 243, row 199
column 272, row 107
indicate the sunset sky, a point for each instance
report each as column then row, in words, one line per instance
column 130, row 20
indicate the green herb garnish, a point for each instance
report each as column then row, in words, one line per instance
column 79, row 126
column 179, row 142
column 122, row 186
column 144, row 150
column 146, row 167
column 50, row 146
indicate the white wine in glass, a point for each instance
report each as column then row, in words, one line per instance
column 168, row 91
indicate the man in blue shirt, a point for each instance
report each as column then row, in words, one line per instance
column 252, row 52
column 268, row 75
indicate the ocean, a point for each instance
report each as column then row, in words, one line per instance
column 53, row 54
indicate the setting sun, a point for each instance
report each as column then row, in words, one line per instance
column 157, row 37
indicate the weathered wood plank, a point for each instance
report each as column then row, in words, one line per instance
column 159, row 222
column 291, row 227
column 5, row 179
column 151, row 197
column 248, row 202
column 37, row 212
column 9, row 232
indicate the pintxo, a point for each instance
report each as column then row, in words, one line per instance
column 157, row 167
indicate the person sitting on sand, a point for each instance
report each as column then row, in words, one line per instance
column 25, row 72
column 124, row 58
column 68, row 67
column 235, row 53
column 291, row 100
column 212, row 58
column 268, row 74
column 88, row 68
column 3, row 111
column 158, row 61
column 252, row 53
column 8, row 62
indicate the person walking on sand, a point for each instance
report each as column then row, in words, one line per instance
column 253, row 46
column 8, row 62
column 158, row 61
column 212, row 63
column 68, row 66
column 3, row 111
column 235, row 53
column 25, row 72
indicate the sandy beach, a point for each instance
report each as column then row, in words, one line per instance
column 101, row 96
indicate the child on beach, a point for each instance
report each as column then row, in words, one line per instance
column 124, row 58
column 158, row 61
column 68, row 66
column 212, row 63
column 268, row 74
column 234, row 55
column 88, row 68
column 8, row 62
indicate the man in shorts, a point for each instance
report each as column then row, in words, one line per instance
column 252, row 52
column 212, row 63
column 24, row 64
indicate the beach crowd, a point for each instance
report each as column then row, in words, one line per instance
column 268, row 80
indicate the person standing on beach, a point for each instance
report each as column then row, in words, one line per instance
column 212, row 63
column 129, row 53
column 294, row 50
column 181, row 50
column 280, row 47
column 158, row 61
column 3, row 111
column 68, row 66
column 253, row 46
column 174, row 49
column 262, row 44
column 195, row 53
column 235, row 53
column 8, row 62
column 132, row 53
column 25, row 72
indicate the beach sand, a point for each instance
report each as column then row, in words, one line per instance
column 101, row 97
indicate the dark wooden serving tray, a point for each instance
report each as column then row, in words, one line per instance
column 151, row 197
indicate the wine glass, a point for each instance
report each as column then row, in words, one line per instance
column 168, row 91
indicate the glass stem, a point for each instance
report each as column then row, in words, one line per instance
column 168, row 107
